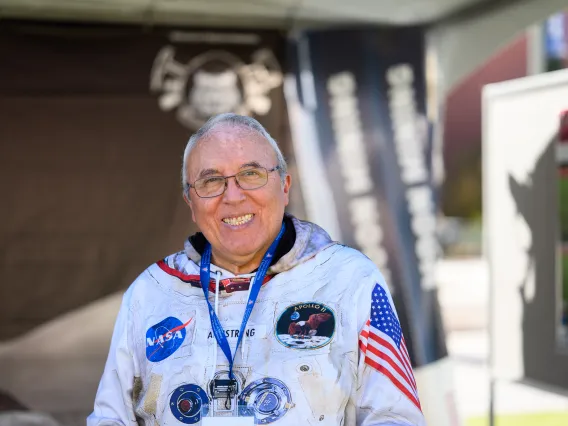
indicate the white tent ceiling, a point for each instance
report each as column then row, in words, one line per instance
column 465, row 32
column 250, row 13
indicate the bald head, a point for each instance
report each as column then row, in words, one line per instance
column 235, row 123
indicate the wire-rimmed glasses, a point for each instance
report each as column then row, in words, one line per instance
column 215, row 185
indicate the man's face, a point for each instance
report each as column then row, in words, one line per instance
column 226, row 152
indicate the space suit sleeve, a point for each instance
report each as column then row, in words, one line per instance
column 113, row 402
column 386, row 393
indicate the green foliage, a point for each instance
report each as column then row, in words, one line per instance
column 461, row 192
column 563, row 206
column 565, row 278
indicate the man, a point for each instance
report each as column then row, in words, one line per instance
column 262, row 318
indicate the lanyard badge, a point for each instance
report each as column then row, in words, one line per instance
column 205, row 275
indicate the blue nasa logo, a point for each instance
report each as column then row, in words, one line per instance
column 164, row 338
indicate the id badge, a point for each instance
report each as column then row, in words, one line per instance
column 224, row 408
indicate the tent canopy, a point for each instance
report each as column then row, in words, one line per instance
column 249, row 13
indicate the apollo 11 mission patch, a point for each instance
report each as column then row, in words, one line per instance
column 309, row 325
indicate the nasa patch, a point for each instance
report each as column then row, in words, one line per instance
column 188, row 403
column 309, row 325
column 164, row 338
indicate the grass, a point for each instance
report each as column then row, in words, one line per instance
column 565, row 276
column 563, row 206
column 563, row 215
column 537, row 419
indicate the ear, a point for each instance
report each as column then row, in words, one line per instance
column 286, row 189
column 190, row 204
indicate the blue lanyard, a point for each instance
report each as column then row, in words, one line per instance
column 205, row 275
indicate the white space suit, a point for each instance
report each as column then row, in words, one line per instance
column 309, row 354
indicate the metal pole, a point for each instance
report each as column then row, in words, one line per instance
column 491, row 401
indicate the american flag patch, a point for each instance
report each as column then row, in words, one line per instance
column 383, row 346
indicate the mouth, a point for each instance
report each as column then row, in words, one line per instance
column 238, row 220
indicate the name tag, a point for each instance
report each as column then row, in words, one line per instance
column 232, row 332
column 228, row 421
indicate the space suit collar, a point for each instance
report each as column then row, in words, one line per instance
column 309, row 240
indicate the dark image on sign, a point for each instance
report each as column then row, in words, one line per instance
column 214, row 82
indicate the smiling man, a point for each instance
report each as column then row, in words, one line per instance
column 262, row 318
column 240, row 189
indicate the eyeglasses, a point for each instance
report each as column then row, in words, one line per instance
column 213, row 186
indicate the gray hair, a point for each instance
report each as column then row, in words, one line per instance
column 232, row 120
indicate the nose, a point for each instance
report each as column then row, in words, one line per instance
column 233, row 193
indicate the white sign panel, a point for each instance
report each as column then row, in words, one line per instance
column 520, row 130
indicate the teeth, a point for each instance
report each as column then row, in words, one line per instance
column 235, row 221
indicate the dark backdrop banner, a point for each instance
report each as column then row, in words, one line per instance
column 364, row 93
column 94, row 120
